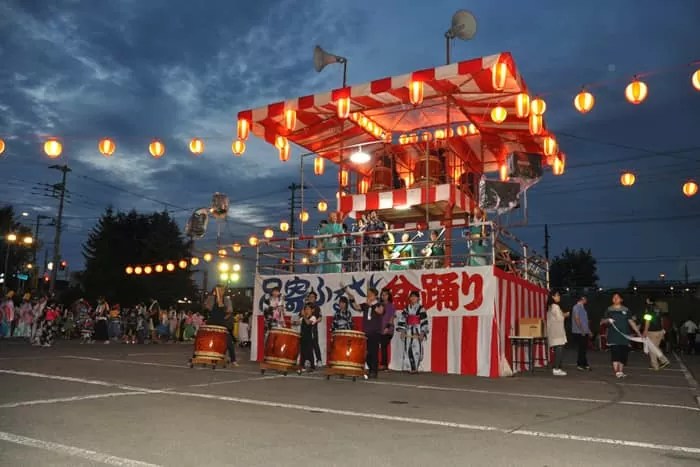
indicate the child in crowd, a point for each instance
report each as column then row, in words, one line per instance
column 307, row 338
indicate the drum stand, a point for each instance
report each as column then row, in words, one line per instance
column 214, row 362
column 344, row 371
column 282, row 368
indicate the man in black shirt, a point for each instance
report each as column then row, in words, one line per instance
column 221, row 314
column 655, row 332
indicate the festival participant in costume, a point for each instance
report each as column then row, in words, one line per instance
column 7, row 314
column 387, row 327
column 221, row 314
column 655, row 332
column 434, row 251
column 37, row 313
column 153, row 318
column 307, row 324
column 372, row 312
column 556, row 334
column 621, row 323
column 413, row 326
column 101, row 316
column 332, row 246
column 24, row 325
column 479, row 250
column 274, row 309
column 87, row 327
column 188, row 332
column 48, row 329
column 316, row 318
column 114, row 329
column 342, row 318
column 131, row 326
column 403, row 254
column 375, row 227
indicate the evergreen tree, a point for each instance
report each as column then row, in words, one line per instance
column 574, row 269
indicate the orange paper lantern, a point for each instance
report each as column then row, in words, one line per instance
column 53, row 148
column 138, row 270
column 415, row 92
column 159, row 268
column 343, row 177
column 284, row 226
column 627, row 179
column 106, row 147
column 535, row 124
column 319, row 165
column 636, row 91
column 253, row 240
column 322, row 206
column 363, row 186
column 147, row 270
column 695, row 80
column 559, row 164
column 473, row 130
column 503, row 171
column 549, row 146
column 129, row 270
column 238, row 147
column 2, row 145
column 538, row 106
column 290, row 119
column 196, row 146
column 690, row 188
column 522, row 105
column 182, row 264
column 304, row 215
column 236, row 247
column 243, row 129
column 499, row 114
column 156, row 148
column 343, row 107
column 499, row 73
column 268, row 233
column 584, row 101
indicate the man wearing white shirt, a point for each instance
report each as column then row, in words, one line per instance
column 691, row 329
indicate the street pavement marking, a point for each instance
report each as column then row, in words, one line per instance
column 94, row 382
column 245, row 380
column 688, row 375
column 70, row 399
column 165, row 365
column 73, row 451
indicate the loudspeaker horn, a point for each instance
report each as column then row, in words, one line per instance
column 323, row 58
column 463, row 26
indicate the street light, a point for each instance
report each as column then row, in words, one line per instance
column 9, row 240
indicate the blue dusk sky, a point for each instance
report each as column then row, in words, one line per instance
column 134, row 70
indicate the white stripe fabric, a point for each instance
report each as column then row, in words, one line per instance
column 483, row 352
column 386, row 200
column 413, row 196
column 454, row 344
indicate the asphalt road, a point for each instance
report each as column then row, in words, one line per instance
column 131, row 405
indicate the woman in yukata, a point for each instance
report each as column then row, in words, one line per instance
column 413, row 327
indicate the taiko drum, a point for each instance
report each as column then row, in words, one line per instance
column 381, row 179
column 427, row 171
column 210, row 342
column 348, row 351
column 282, row 348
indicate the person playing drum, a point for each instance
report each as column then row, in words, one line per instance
column 372, row 312
column 221, row 314
column 342, row 319
column 274, row 310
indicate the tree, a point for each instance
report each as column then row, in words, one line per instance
column 123, row 239
column 19, row 254
column 574, row 269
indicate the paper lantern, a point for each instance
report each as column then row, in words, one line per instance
column 304, row 215
column 147, row 270
column 462, row 130
column 208, row 257
column 170, row 267
column 627, row 179
column 284, row 226
column 559, row 164
column 2, row 145
column 503, row 171
column 695, row 79
column 243, row 129
column 343, row 107
column 196, row 146
column 282, row 144
column 129, row 270
column 106, row 147
column 156, row 148
column 538, row 106
column 636, row 91
column 268, row 233
column 690, row 188
column 53, row 148
column 194, row 261
column 498, row 114
column 363, row 186
column 473, row 130
column 138, row 270
column 222, row 253
column 415, row 92
column 319, row 165
column 238, row 147
column 236, row 247
column 322, row 206
column 159, row 268
column 549, row 146
column 182, row 264
column 290, row 119
column 343, row 177
column 253, row 240
column 535, row 124
column 499, row 73
column 584, row 101
column 439, row 133
column 522, row 105
column 355, row 116
column 284, row 153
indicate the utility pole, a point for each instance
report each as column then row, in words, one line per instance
column 35, row 281
column 292, row 218
column 546, row 242
column 61, row 187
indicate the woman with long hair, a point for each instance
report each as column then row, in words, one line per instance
column 387, row 327
column 556, row 334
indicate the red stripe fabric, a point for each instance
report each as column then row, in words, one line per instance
column 438, row 347
column 470, row 344
column 261, row 338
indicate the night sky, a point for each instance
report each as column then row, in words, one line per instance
column 134, row 70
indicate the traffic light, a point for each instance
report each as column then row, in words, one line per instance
column 63, row 266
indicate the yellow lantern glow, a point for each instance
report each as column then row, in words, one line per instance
column 147, row 270
column 238, row 147
column 343, row 177
column 498, row 114
column 159, row 268
column 2, row 145
column 284, row 153
column 462, row 130
column 559, row 164
column 690, row 188
column 182, row 264
column 223, row 277
column 236, row 247
column 222, row 253
column 194, row 261
column 196, row 146
column 473, row 130
column 129, row 270
column 304, row 215
column 282, row 144
column 522, row 105
column 636, row 91
column 106, row 147
column 535, row 124
column 503, row 171
column 156, row 148
column 415, row 92
column 549, row 146
column 627, row 179
column 253, row 240
column 208, row 257
column 170, row 267
column 403, row 139
column 695, row 79
column 363, row 186
column 322, row 206
column 355, row 116
column 290, row 119
column 538, row 106
column 440, row 133
column 243, row 129
column 138, row 270
column 53, row 148
column 319, row 165
column 499, row 73
column 284, row 226
column 268, row 233
column 584, row 101
column 343, row 107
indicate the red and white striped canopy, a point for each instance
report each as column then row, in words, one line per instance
column 457, row 94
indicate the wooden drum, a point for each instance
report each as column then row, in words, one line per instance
column 210, row 345
column 281, row 350
column 381, row 179
column 429, row 174
column 348, row 354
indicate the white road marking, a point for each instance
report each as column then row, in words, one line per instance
column 148, row 354
column 73, row 451
column 233, row 381
column 688, row 375
column 70, row 399
column 164, row 365
column 82, row 381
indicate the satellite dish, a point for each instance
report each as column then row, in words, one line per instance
column 323, row 58
column 463, row 26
